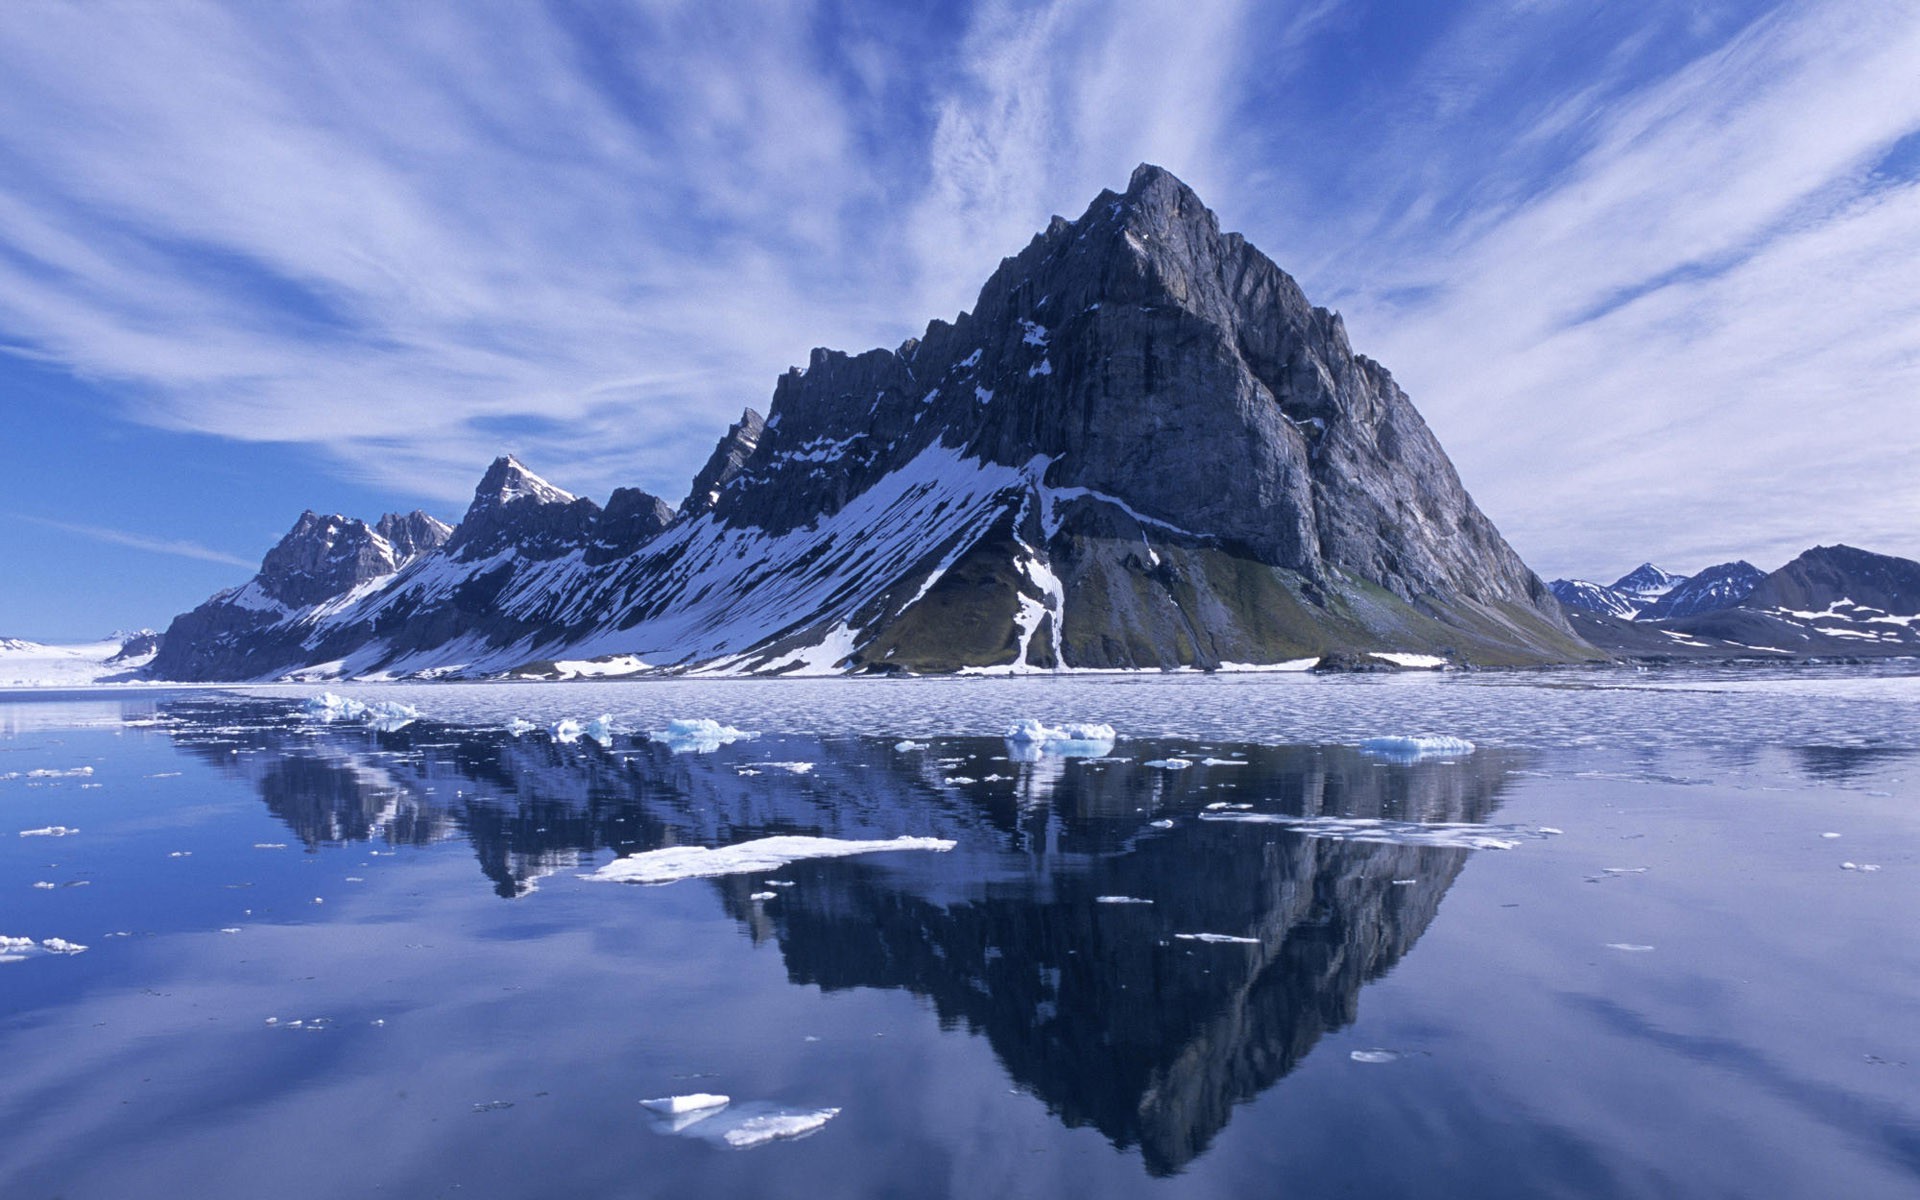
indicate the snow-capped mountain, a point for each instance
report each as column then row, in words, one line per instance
column 1584, row 596
column 1830, row 602
column 1647, row 583
column 1143, row 448
column 1722, row 585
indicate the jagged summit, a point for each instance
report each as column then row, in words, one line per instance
column 1142, row 448
column 508, row 480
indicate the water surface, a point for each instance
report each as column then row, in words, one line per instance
column 330, row 960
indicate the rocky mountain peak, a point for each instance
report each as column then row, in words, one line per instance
column 515, row 509
column 1827, row 576
column 1647, row 581
column 729, row 457
column 323, row 556
column 508, row 480
column 413, row 534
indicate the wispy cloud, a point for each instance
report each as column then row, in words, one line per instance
column 176, row 547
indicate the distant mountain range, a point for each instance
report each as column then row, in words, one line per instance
column 1830, row 602
column 1143, row 448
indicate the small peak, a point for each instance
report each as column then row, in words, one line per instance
column 1156, row 185
column 508, row 480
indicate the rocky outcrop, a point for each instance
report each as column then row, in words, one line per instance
column 1828, row 576
column 728, row 459
column 1143, row 448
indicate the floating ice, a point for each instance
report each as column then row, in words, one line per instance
column 1161, row 824
column 1829, row 835
column 1218, row 939
column 903, row 747
column 45, row 886
column 269, row 845
column 1629, row 947
column 1376, row 1055
column 1223, row 762
column 777, row 1126
column 791, row 768
column 763, row 854
column 1434, row 745
column 692, row 1102
column 600, row 729
column 520, row 726
column 50, row 773
column 384, row 715
column 1028, row 739
column 1462, row 835
column 757, row 897
column 48, row 831
column 1120, row 900
column 700, row 735
column 1847, row 866
column 1167, row 764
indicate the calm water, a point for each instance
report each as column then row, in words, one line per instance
column 326, row 960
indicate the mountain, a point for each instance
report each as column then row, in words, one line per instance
column 1831, row 602
column 1647, row 583
column 1143, row 448
column 1582, row 596
column 1720, row 586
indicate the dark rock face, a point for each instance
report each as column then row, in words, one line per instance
column 1143, row 449
column 413, row 534
column 514, row 509
column 1720, row 586
column 1647, row 582
column 1825, row 576
column 631, row 519
column 728, row 459
column 137, row 645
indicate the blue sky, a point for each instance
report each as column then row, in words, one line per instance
column 1647, row 269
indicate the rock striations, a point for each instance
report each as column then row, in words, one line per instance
column 1143, row 448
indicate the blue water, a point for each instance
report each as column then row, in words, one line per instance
column 1681, row 992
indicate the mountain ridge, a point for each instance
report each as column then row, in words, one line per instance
column 1014, row 490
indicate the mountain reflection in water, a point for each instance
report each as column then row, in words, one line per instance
column 1096, row 1008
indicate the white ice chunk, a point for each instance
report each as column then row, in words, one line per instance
column 600, row 729
column 49, row 831
column 1375, row 1055
column 1161, row 824
column 759, row 897
column 777, row 1126
column 763, row 854
column 1218, row 939
column 384, row 715
column 791, row 768
column 1168, row 764
column 1431, row 745
column 700, row 735
column 1410, row 660
column 1030, row 738
column 692, row 1102
column 1120, row 900
column 520, row 726
column 1223, row 762
column 566, row 731
column 1848, row 866
column 50, row 773
column 904, row 747
column 1629, row 947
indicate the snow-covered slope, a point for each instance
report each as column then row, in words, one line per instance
column 121, row 658
column 1580, row 595
column 1142, row 449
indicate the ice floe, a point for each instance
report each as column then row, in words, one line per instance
column 692, row 1102
column 742, row 1126
column 1851, row 866
column 1461, row 835
column 1629, row 947
column 1029, row 739
column 791, row 768
column 1224, row 939
column 698, row 735
column 1120, row 900
column 384, row 715
column 51, row 773
column 1167, row 764
column 904, row 747
column 1432, row 745
column 763, row 854
column 49, row 831
column 1375, row 1055
column 520, row 727
column 1223, row 762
